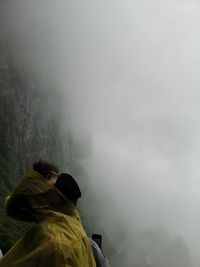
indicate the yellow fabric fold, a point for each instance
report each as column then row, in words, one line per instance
column 59, row 241
column 58, row 238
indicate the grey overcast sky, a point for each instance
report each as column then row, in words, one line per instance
column 130, row 73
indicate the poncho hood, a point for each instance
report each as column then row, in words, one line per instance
column 34, row 199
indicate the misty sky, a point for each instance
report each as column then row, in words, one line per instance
column 129, row 71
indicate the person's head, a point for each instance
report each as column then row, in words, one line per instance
column 67, row 185
column 47, row 170
column 33, row 199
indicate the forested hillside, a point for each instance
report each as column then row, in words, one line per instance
column 30, row 130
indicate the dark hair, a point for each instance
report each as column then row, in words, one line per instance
column 19, row 208
column 67, row 185
column 45, row 168
column 36, row 207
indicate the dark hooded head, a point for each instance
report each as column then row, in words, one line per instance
column 34, row 199
column 67, row 185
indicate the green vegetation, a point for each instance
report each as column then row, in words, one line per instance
column 29, row 130
column 10, row 230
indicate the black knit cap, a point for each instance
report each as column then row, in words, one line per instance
column 67, row 185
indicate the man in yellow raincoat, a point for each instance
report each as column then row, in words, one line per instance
column 57, row 239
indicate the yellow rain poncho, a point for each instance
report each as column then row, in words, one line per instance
column 58, row 238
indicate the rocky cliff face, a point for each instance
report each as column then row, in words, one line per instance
column 29, row 130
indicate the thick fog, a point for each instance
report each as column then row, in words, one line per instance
column 129, row 75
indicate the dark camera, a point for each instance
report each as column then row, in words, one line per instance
column 98, row 239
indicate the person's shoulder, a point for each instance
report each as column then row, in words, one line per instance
column 94, row 244
column 60, row 227
column 101, row 260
